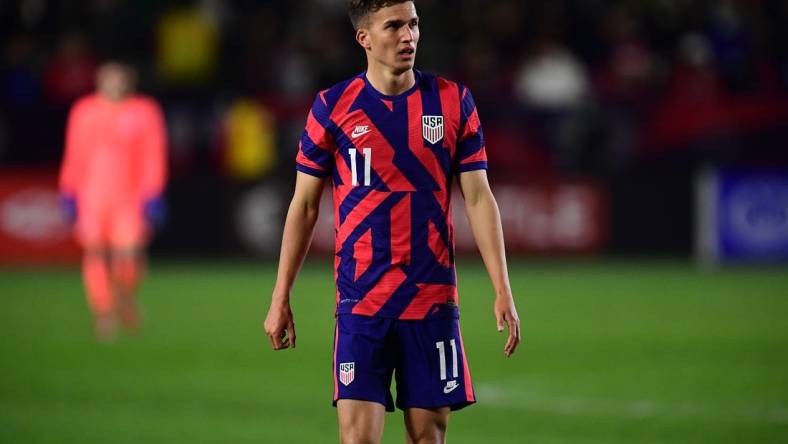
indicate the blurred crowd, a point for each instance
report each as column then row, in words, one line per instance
column 564, row 87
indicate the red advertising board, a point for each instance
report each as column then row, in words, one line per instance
column 544, row 218
column 538, row 218
column 32, row 226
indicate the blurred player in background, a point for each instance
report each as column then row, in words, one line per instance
column 393, row 139
column 112, row 178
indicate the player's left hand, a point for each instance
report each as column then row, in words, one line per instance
column 506, row 315
column 155, row 210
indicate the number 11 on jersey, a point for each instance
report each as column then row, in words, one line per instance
column 367, row 155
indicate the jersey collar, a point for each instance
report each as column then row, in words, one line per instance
column 371, row 89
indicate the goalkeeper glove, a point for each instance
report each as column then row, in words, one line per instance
column 68, row 207
column 155, row 210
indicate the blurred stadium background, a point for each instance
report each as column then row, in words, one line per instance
column 637, row 150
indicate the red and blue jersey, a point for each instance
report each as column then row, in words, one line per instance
column 392, row 161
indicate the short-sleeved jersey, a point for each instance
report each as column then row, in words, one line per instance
column 392, row 160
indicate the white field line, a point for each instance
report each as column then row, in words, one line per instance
column 497, row 396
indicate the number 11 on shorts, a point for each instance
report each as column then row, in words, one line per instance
column 442, row 358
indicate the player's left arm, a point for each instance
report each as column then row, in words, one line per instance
column 152, row 164
column 154, row 152
column 485, row 221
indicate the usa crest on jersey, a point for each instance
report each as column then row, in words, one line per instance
column 432, row 128
column 347, row 372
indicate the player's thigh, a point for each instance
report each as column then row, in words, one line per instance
column 432, row 370
column 128, row 229
column 92, row 229
column 426, row 425
column 360, row 421
column 363, row 359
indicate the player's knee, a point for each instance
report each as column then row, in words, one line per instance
column 355, row 430
column 433, row 432
column 94, row 252
column 126, row 270
column 352, row 434
column 431, row 437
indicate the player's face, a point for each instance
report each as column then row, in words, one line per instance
column 391, row 35
column 114, row 81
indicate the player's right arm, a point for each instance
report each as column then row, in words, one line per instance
column 314, row 163
column 297, row 236
column 71, row 168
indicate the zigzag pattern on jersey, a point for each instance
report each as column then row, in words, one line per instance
column 412, row 262
column 401, row 272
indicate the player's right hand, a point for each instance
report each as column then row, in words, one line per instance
column 279, row 325
column 68, row 205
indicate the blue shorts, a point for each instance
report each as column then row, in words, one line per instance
column 426, row 357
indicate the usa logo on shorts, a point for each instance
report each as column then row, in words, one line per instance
column 347, row 372
column 432, row 128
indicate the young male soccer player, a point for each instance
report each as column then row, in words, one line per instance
column 392, row 140
column 111, row 179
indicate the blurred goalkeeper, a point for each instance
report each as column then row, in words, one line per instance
column 111, row 182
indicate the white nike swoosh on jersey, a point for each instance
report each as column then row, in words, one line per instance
column 360, row 131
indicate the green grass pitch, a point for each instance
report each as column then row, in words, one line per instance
column 613, row 352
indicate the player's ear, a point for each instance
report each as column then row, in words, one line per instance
column 362, row 37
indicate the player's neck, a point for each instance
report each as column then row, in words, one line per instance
column 389, row 83
column 114, row 98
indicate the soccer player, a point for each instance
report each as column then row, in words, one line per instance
column 111, row 180
column 392, row 140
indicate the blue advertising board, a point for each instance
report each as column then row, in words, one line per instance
column 742, row 216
